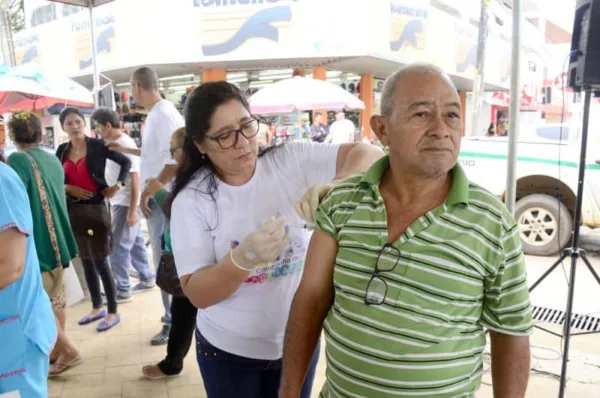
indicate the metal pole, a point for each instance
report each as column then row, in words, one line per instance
column 478, row 81
column 96, row 76
column 515, row 97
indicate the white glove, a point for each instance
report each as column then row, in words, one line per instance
column 307, row 206
column 262, row 246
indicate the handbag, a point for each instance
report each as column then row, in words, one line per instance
column 166, row 274
column 52, row 280
column 92, row 227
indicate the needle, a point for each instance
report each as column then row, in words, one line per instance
column 304, row 226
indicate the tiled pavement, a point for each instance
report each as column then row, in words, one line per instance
column 113, row 360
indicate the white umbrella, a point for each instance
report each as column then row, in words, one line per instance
column 28, row 86
column 302, row 94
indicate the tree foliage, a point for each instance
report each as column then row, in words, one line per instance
column 16, row 12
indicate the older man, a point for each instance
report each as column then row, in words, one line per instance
column 410, row 264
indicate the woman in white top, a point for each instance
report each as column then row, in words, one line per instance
column 238, row 248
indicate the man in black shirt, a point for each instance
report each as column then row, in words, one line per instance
column 318, row 131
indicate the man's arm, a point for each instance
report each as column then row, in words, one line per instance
column 115, row 146
column 510, row 365
column 12, row 262
column 134, row 201
column 309, row 308
column 356, row 158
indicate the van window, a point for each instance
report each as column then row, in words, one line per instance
column 553, row 133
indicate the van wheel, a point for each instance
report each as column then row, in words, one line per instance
column 544, row 224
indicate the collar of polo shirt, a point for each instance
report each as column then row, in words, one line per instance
column 459, row 193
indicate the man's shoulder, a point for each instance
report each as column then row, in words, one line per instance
column 126, row 141
column 490, row 204
column 164, row 108
column 346, row 191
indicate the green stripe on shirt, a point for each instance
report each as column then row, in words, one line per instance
column 460, row 270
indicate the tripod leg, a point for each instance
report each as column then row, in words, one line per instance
column 560, row 260
column 589, row 265
column 568, row 317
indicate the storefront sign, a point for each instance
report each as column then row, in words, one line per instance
column 408, row 29
column 105, row 33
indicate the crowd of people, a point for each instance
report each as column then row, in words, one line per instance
column 407, row 268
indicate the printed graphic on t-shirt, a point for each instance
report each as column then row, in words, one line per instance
column 288, row 263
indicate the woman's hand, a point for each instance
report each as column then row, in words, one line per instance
column 78, row 193
column 110, row 192
column 262, row 246
column 307, row 206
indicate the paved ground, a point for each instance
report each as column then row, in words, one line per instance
column 113, row 360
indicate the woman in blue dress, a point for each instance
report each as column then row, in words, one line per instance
column 27, row 326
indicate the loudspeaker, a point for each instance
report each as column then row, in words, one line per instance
column 584, row 61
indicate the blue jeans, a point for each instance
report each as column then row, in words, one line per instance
column 229, row 375
column 156, row 227
column 129, row 247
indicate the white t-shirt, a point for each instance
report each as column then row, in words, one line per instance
column 251, row 323
column 123, row 197
column 341, row 132
column 162, row 121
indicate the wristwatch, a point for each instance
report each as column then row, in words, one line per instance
column 119, row 184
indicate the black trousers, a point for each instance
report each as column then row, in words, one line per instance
column 183, row 324
column 94, row 268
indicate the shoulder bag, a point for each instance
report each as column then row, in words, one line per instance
column 52, row 280
column 166, row 274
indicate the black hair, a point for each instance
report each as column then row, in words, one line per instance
column 25, row 128
column 199, row 109
column 69, row 110
column 106, row 115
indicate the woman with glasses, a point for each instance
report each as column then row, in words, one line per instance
column 84, row 161
column 239, row 245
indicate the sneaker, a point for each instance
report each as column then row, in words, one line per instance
column 124, row 298
column 162, row 337
column 121, row 298
column 143, row 286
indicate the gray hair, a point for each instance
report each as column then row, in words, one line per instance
column 146, row 78
column 388, row 94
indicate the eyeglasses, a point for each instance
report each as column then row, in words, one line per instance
column 229, row 139
column 172, row 150
column 387, row 260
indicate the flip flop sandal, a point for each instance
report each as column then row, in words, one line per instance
column 89, row 319
column 148, row 374
column 60, row 367
column 104, row 326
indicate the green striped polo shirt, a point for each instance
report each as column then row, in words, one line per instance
column 460, row 270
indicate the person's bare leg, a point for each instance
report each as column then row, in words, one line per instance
column 64, row 344
column 62, row 322
column 69, row 355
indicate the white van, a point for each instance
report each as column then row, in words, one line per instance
column 547, row 178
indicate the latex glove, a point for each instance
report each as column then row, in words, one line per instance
column 262, row 246
column 307, row 206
